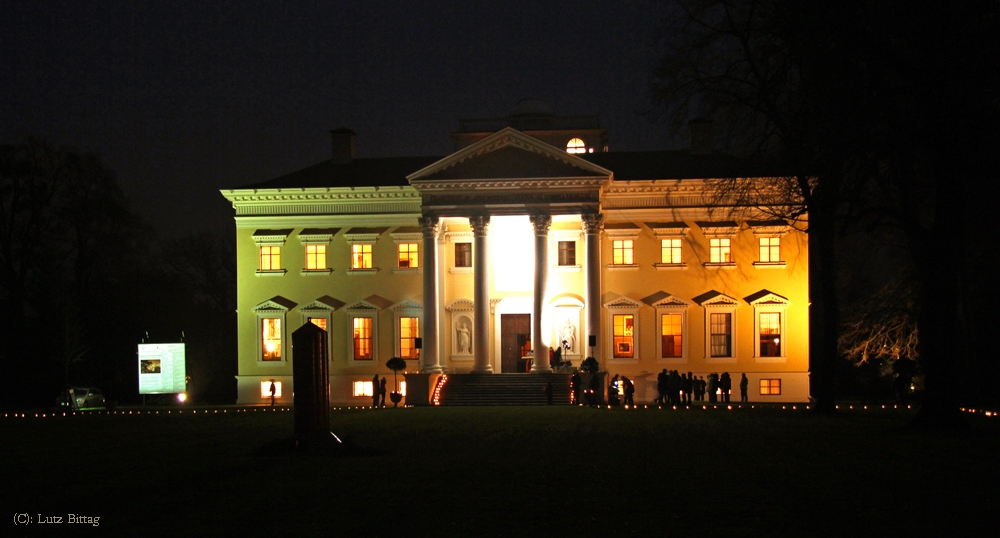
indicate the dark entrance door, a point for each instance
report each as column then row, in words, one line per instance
column 515, row 341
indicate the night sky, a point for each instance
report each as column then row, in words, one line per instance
column 184, row 98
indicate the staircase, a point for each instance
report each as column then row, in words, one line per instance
column 503, row 389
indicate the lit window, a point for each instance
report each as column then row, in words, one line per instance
column 670, row 251
column 315, row 257
column 363, row 388
column 270, row 258
column 623, row 336
column 770, row 334
column 408, row 256
column 770, row 387
column 271, row 339
column 362, row 338
column 265, row 389
column 576, row 145
column 463, row 254
column 361, row 256
column 770, row 249
column 319, row 322
column 722, row 334
column 672, row 334
column 409, row 330
column 622, row 251
column 567, row 253
column 720, row 252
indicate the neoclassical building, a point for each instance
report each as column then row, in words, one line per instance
column 530, row 236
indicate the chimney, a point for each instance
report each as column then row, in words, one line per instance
column 343, row 145
column 701, row 136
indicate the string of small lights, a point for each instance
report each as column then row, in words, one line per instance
column 695, row 407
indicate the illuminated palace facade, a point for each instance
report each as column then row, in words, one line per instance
column 530, row 235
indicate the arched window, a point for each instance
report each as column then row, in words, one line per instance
column 576, row 145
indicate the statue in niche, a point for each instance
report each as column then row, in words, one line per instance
column 567, row 336
column 464, row 339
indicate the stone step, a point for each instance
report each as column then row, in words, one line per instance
column 504, row 389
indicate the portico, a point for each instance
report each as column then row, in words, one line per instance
column 510, row 174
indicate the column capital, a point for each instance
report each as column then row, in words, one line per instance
column 480, row 224
column 429, row 225
column 541, row 222
column 593, row 223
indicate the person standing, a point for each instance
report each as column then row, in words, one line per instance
column 688, row 387
column 548, row 393
column 381, row 392
column 273, row 391
column 375, row 393
column 629, row 391
column 744, row 385
column 726, row 383
column 661, row 387
column 713, row 386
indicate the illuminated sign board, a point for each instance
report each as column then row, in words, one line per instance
column 162, row 369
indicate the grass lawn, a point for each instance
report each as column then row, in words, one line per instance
column 511, row 471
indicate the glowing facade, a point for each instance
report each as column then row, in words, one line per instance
column 530, row 236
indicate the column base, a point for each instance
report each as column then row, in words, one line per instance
column 542, row 370
column 485, row 370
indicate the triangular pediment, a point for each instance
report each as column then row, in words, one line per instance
column 765, row 297
column 715, row 298
column 407, row 304
column 363, row 306
column 509, row 154
column 622, row 303
column 275, row 304
column 323, row 304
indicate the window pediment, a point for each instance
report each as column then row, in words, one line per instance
column 275, row 304
column 363, row 307
column 719, row 229
column 317, row 235
column 668, row 230
column 763, row 297
column 407, row 305
column 271, row 237
column 671, row 301
column 621, row 229
column 363, row 235
column 622, row 303
column 323, row 304
column 715, row 299
column 768, row 227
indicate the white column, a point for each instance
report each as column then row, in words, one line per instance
column 481, row 296
column 429, row 332
column 592, row 224
column 541, row 223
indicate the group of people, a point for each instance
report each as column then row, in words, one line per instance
column 378, row 392
column 679, row 389
column 673, row 388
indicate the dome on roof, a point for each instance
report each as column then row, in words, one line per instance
column 531, row 107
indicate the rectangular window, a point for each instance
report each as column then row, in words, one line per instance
column 670, row 251
column 770, row 334
column 315, row 257
column 361, row 256
column 408, row 256
column 319, row 322
column 567, row 253
column 270, row 258
column 463, row 254
column 363, row 339
column 670, row 327
column 265, row 389
column 770, row 249
column 722, row 335
column 409, row 330
column 363, row 388
column 623, row 338
column 770, row 387
column 622, row 251
column 720, row 252
column 270, row 339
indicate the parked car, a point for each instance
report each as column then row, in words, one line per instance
column 81, row 397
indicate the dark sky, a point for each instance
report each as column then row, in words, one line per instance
column 184, row 98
